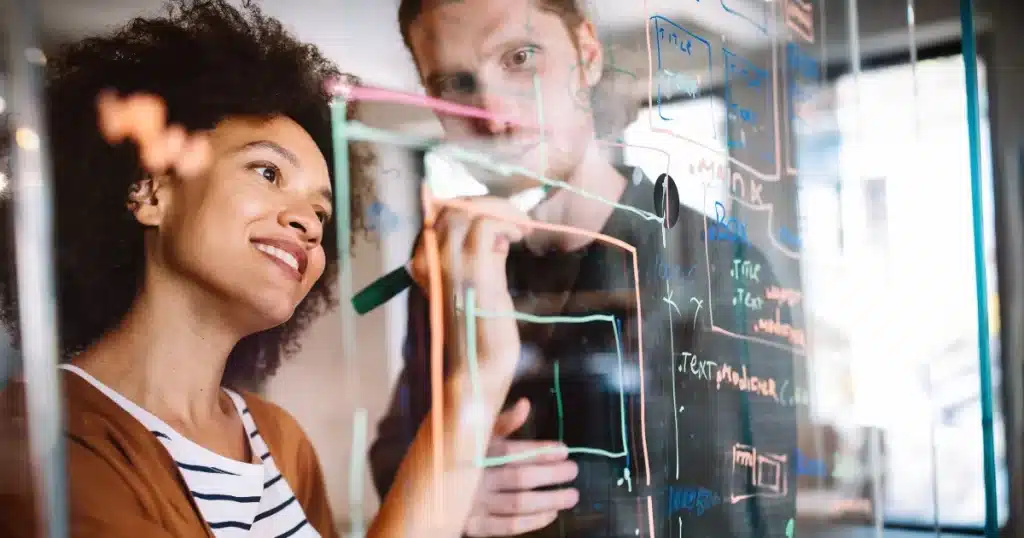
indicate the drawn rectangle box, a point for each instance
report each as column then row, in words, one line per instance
column 683, row 63
column 749, row 110
column 616, row 330
column 623, row 435
column 804, row 75
column 770, row 474
column 744, row 469
column 756, row 474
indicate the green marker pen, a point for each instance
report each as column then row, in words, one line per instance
column 382, row 290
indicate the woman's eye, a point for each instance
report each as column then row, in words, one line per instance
column 269, row 173
column 323, row 216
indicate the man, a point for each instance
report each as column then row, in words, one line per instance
column 533, row 59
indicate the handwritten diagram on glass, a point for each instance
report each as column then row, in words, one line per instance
column 683, row 66
column 757, row 474
column 755, row 13
column 748, row 99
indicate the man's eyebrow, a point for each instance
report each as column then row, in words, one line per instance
column 272, row 146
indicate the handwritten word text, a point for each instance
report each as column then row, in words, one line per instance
column 700, row 368
column 691, row 499
column 731, row 229
column 747, row 299
column 783, row 295
column 682, row 83
column 745, row 271
column 777, row 328
column 739, row 379
column 739, row 186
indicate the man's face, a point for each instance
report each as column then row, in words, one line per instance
column 516, row 61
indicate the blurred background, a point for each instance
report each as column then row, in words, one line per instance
column 882, row 194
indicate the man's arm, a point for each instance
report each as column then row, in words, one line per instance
column 410, row 401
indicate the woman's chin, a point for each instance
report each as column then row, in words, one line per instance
column 266, row 313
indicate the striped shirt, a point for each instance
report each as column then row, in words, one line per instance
column 235, row 498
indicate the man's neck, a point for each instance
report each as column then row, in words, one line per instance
column 595, row 176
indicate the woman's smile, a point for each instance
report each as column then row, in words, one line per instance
column 289, row 256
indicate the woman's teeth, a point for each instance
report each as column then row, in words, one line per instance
column 279, row 254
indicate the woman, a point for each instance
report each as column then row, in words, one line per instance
column 176, row 282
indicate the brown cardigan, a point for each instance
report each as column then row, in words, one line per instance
column 122, row 483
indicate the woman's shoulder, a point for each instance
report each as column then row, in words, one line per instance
column 84, row 411
column 105, row 448
column 95, row 428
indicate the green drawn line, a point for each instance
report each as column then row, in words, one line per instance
column 540, row 119
column 474, row 372
column 361, row 131
column 558, row 403
column 521, row 316
column 344, row 131
column 343, row 223
column 355, row 473
column 470, row 308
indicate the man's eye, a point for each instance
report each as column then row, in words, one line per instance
column 460, row 83
column 522, row 58
column 269, row 173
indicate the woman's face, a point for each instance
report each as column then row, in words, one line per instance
column 248, row 231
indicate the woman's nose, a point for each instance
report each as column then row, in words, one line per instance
column 306, row 221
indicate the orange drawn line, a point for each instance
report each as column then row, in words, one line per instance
column 437, row 341
column 784, row 347
column 437, row 315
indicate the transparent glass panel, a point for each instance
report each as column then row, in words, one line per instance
column 746, row 301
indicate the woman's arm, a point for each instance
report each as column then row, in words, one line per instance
column 433, row 492
column 422, row 504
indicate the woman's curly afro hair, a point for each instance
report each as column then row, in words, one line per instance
column 208, row 61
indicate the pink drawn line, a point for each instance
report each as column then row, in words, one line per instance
column 650, row 515
column 437, row 315
column 366, row 93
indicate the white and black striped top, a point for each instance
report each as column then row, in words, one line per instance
column 236, row 499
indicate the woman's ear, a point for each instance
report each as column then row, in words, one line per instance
column 147, row 200
column 591, row 53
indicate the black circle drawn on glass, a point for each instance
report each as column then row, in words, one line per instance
column 671, row 214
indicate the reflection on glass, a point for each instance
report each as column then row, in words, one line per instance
column 894, row 310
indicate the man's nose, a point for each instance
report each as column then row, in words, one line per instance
column 501, row 110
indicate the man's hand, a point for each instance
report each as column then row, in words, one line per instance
column 505, row 504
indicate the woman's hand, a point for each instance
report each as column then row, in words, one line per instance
column 473, row 242
column 472, row 239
